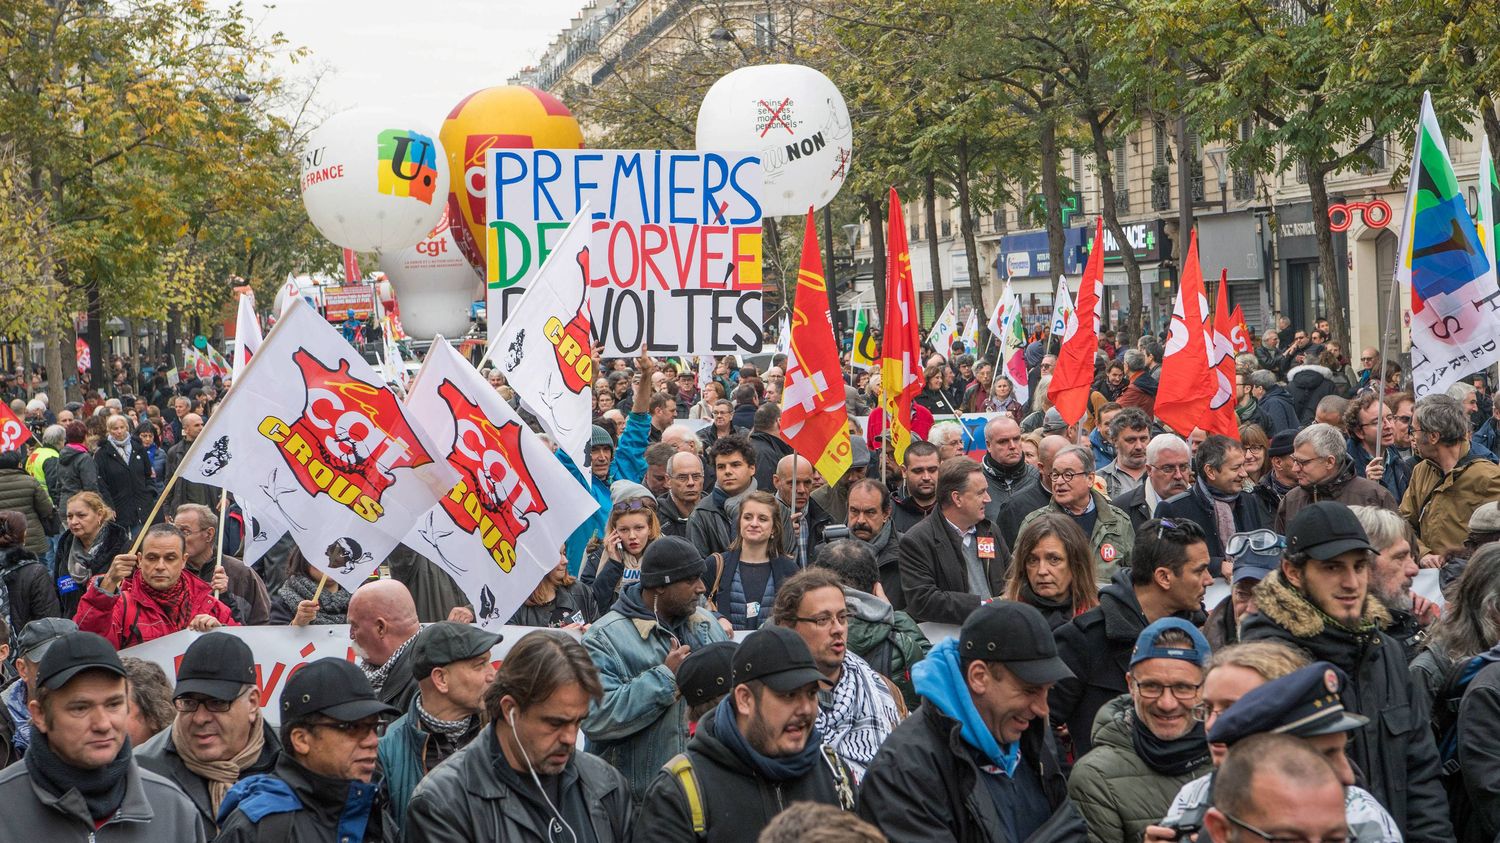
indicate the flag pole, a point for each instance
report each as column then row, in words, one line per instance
column 319, row 592
column 160, row 499
column 1390, row 318
column 219, row 535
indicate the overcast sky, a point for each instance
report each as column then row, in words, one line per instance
column 419, row 58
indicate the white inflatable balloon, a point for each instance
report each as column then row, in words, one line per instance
column 374, row 181
column 435, row 285
column 795, row 118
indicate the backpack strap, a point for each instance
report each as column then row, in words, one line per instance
column 681, row 769
column 841, row 783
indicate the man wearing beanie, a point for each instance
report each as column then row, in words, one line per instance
column 977, row 760
column 1320, row 601
column 638, row 646
column 79, row 781
column 757, row 752
column 1147, row 744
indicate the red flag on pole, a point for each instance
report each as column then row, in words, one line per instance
column 1221, row 416
column 900, row 342
column 1239, row 335
column 352, row 274
column 1187, row 385
column 1073, row 376
column 813, row 418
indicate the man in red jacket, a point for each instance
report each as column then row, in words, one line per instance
column 144, row 596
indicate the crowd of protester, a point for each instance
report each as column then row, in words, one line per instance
column 731, row 649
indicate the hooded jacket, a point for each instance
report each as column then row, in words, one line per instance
column 21, row 492
column 769, row 449
column 1437, row 505
column 1344, row 488
column 642, row 721
column 160, row 756
column 1279, row 412
column 292, row 804
column 1396, row 749
column 153, row 811
column 887, row 639
column 924, row 785
column 1004, row 483
column 737, row 801
column 1306, row 385
column 1114, row 789
column 73, row 472
column 474, row 795
column 1096, row 646
column 1141, row 393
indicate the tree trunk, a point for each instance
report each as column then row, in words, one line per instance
column 929, row 198
column 773, row 239
column 1052, row 196
column 52, row 357
column 830, row 273
column 1184, row 194
column 1333, row 285
column 1491, row 122
column 99, row 368
column 1136, row 310
column 971, row 248
column 874, row 209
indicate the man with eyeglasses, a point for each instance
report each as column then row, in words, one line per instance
column 1146, row 745
column 684, row 490
column 1449, row 483
column 1106, row 525
column 1169, row 470
column 1320, row 601
column 323, row 786
column 1369, row 367
column 1368, row 424
column 1320, row 460
column 219, row 735
column 861, row 707
column 236, row 583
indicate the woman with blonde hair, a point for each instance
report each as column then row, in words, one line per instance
column 86, row 548
column 614, row 563
column 1052, row 569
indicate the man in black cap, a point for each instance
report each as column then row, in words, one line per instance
column 451, row 662
column 977, row 760
column 1319, row 601
column 79, row 781
column 522, row 780
column 1281, row 473
column 31, row 645
column 219, row 735
column 638, row 645
column 321, row 788
column 754, row 754
column 705, row 678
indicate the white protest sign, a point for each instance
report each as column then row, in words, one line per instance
column 676, row 267
column 281, row 651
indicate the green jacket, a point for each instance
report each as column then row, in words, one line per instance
column 890, row 641
column 1116, row 792
column 1112, row 540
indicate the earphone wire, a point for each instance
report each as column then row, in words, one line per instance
column 531, row 768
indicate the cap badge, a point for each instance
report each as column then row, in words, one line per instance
column 1331, row 681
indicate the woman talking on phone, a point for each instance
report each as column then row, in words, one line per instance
column 615, row 562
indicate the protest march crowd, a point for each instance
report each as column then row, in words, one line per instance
column 730, row 649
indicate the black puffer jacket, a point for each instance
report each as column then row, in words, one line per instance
column 1307, row 385
column 923, row 785
column 33, row 594
column 1395, row 750
column 73, row 471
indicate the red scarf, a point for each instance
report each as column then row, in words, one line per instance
column 173, row 602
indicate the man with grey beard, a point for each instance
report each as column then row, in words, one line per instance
column 1392, row 571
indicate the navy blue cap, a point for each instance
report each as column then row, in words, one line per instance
column 1146, row 646
column 1304, row 703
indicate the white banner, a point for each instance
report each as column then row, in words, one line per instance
column 498, row 531
column 281, row 651
column 678, row 264
column 309, row 439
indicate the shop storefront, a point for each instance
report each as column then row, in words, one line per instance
column 1304, row 293
column 1236, row 243
column 1026, row 260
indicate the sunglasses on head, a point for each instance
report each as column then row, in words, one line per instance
column 633, row 505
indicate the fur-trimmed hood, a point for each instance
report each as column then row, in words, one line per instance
column 1285, row 606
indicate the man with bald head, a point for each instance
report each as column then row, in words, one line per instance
column 382, row 623
column 184, row 490
column 1032, row 496
column 1005, row 467
column 684, row 490
column 804, row 519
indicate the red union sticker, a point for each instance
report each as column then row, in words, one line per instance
column 1107, row 552
column 986, row 545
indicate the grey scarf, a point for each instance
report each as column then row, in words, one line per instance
column 377, row 675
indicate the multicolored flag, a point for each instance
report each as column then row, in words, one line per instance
column 944, row 329
column 498, row 530
column 1062, row 307
column 813, row 418
column 900, row 368
column 1073, row 375
column 1448, row 263
column 1221, row 417
column 545, row 348
column 970, row 336
column 1239, row 335
column 1012, row 339
column 1187, row 384
column 311, row 441
column 865, row 353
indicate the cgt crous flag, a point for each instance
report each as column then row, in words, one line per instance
column 497, row 532
column 310, row 440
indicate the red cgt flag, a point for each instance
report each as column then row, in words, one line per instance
column 813, row 418
column 13, row 431
column 900, row 368
column 1073, row 377
column 1239, row 335
column 1187, row 384
column 1221, row 417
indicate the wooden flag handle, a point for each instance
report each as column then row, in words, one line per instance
column 319, row 592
